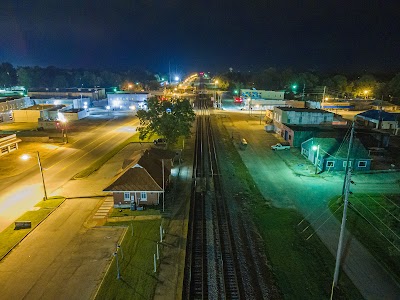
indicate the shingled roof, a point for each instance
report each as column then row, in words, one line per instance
column 135, row 178
column 145, row 174
column 338, row 149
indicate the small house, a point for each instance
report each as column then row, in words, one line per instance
column 330, row 154
column 142, row 182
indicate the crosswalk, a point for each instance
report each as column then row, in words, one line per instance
column 104, row 209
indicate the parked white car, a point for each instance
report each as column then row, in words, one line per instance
column 280, row 146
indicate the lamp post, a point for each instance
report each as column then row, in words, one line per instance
column 26, row 157
column 316, row 148
column 118, row 271
column 66, row 130
column 215, row 92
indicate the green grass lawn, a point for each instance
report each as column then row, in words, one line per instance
column 10, row 237
column 138, row 280
column 374, row 221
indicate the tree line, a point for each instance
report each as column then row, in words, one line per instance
column 337, row 85
column 53, row 77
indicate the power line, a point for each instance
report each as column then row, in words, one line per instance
column 390, row 200
column 352, row 206
column 309, row 215
column 398, row 220
column 378, row 218
column 324, row 222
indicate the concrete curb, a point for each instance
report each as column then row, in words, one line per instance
column 12, row 248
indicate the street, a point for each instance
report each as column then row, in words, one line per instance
column 22, row 191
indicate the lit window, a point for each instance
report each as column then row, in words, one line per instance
column 362, row 164
column 127, row 196
column 330, row 163
column 345, row 164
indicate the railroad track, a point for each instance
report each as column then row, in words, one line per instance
column 211, row 270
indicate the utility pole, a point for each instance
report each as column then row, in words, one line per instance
column 163, row 180
column 323, row 94
column 342, row 228
column 348, row 156
column 302, row 96
column 41, row 173
column 169, row 71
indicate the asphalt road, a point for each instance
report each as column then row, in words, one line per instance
column 309, row 194
column 89, row 141
column 64, row 258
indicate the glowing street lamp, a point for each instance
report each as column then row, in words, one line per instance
column 215, row 93
column 26, row 157
column 316, row 148
column 366, row 94
column 66, row 130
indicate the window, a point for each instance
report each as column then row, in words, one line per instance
column 143, row 196
column 362, row 164
column 345, row 164
column 330, row 163
column 127, row 196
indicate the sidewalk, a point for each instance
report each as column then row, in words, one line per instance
column 176, row 217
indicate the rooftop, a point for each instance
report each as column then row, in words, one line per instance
column 304, row 110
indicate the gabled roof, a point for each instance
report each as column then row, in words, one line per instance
column 338, row 149
column 143, row 174
column 135, row 178
column 379, row 114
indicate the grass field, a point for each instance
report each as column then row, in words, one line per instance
column 9, row 237
column 375, row 221
column 138, row 280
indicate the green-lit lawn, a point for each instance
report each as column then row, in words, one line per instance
column 10, row 237
column 138, row 279
column 374, row 221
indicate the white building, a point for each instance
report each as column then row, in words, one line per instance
column 125, row 100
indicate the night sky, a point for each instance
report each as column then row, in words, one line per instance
column 204, row 35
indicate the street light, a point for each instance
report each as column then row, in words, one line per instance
column 26, row 157
column 316, row 148
column 66, row 130
column 215, row 92
column 366, row 94
column 108, row 107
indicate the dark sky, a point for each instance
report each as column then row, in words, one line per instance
column 206, row 35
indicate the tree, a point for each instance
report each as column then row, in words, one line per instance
column 365, row 86
column 8, row 75
column 167, row 119
column 393, row 87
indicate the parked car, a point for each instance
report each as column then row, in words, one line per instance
column 280, row 146
column 159, row 141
